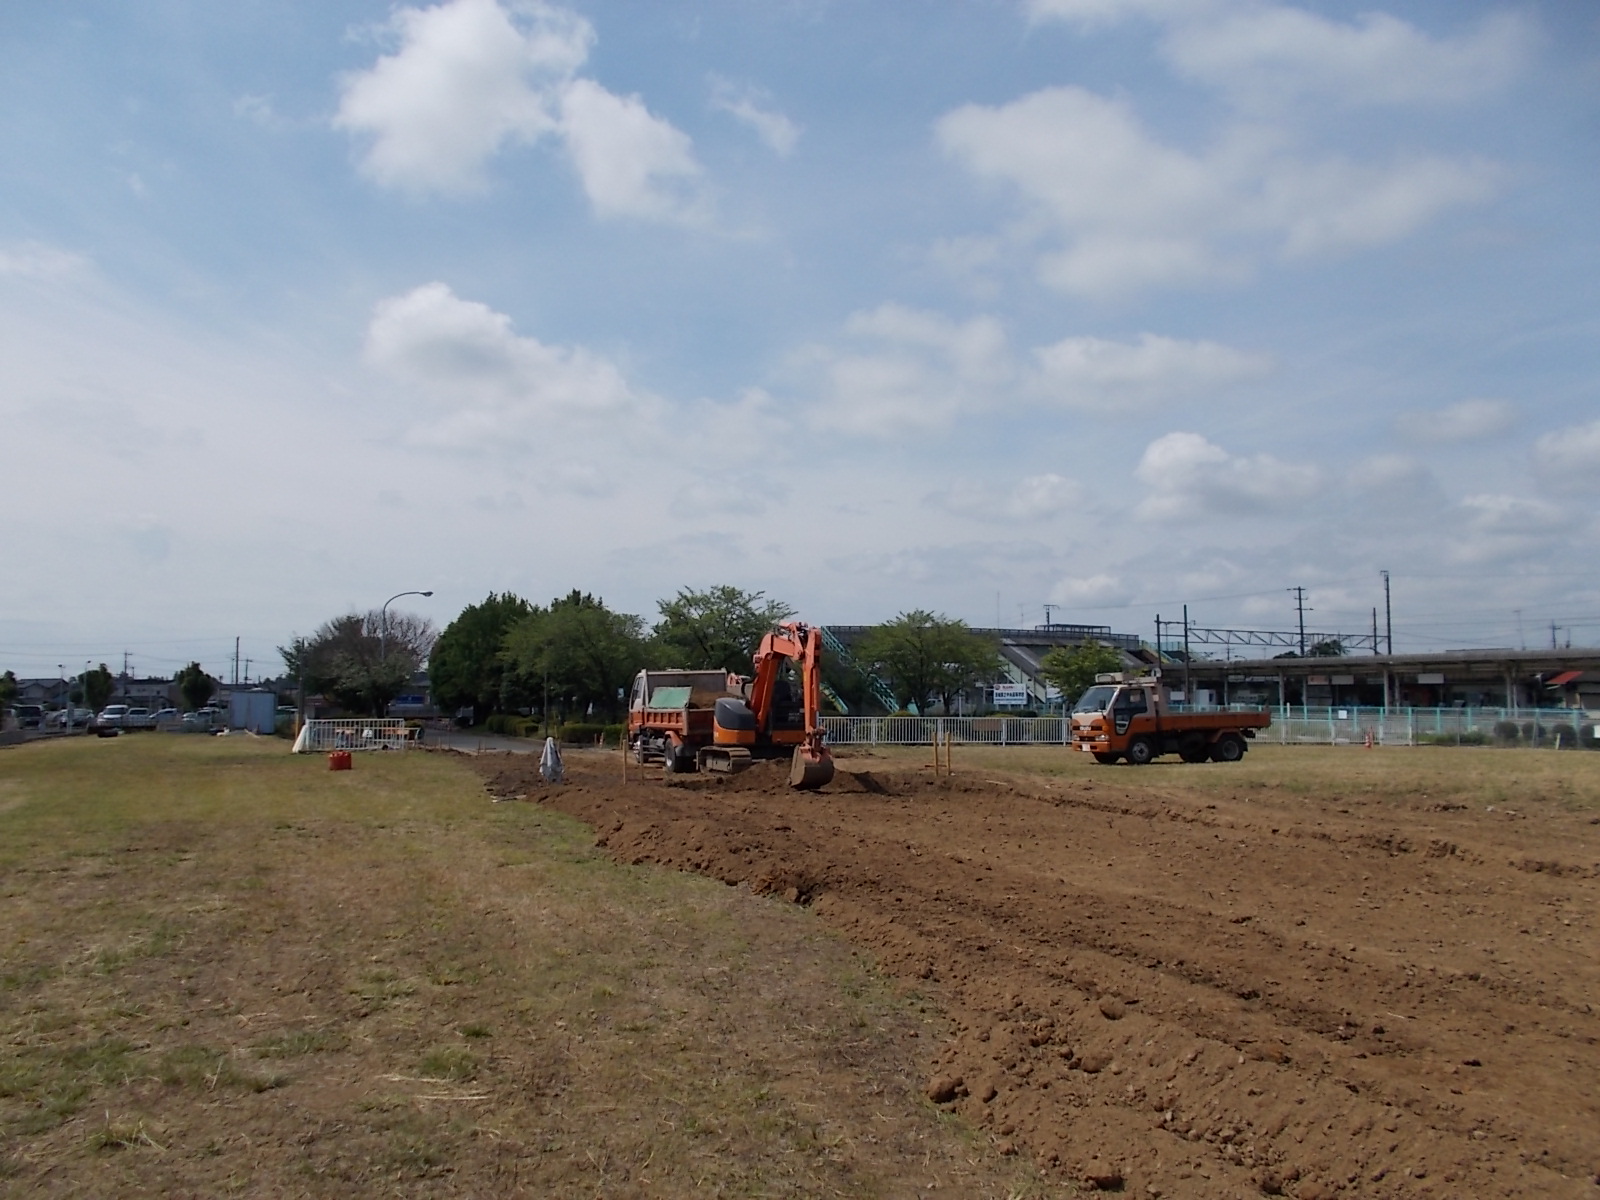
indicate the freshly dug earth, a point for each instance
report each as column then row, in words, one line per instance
column 1166, row 985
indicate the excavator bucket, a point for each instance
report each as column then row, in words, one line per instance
column 811, row 769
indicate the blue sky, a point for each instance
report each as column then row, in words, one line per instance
column 1107, row 304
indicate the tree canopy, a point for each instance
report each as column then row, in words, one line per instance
column 360, row 661
column 717, row 628
column 195, row 686
column 586, row 653
column 98, row 685
column 1073, row 668
column 925, row 657
column 466, row 668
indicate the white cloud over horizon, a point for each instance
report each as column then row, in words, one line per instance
column 469, row 78
column 1135, row 213
column 1189, row 478
column 1463, row 421
column 494, row 386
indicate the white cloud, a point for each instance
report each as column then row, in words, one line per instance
column 1030, row 498
column 1091, row 371
column 1261, row 54
column 258, row 110
column 1135, row 213
column 41, row 262
column 920, row 371
column 632, row 163
column 464, row 81
column 1265, row 54
column 1390, row 476
column 1464, row 421
column 1090, row 590
column 1569, row 459
column 1188, row 477
column 470, row 78
column 489, row 383
column 1500, row 514
column 753, row 108
column 1090, row 13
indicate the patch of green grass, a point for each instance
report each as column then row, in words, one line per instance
column 300, row 1043
column 448, row 1062
column 476, row 1029
column 206, row 1067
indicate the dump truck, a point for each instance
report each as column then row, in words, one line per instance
column 1131, row 717
column 721, row 722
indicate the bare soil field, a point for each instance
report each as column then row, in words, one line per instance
column 227, row 971
column 1318, row 972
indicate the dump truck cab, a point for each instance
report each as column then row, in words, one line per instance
column 1126, row 716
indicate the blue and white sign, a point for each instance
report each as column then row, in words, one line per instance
column 1010, row 695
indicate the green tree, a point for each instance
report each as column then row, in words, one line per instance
column 466, row 668
column 1332, row 648
column 8, row 688
column 1073, row 668
column 923, row 657
column 195, row 686
column 718, row 628
column 348, row 661
column 582, row 651
column 97, row 687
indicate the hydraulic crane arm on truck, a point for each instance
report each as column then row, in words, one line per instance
column 1124, row 716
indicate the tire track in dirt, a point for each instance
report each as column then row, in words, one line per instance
column 1199, row 996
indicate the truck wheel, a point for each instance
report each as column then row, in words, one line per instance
column 1105, row 760
column 1141, row 751
column 670, row 762
column 1229, row 748
column 1193, row 749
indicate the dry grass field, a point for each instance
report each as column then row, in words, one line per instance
column 225, row 970
column 1321, row 972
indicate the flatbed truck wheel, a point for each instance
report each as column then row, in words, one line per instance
column 1229, row 748
column 1141, row 751
column 1105, row 760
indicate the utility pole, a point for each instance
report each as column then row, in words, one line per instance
column 1188, row 696
column 1553, row 628
column 1047, row 609
column 1388, row 616
column 247, row 672
column 125, row 654
column 1300, row 607
column 235, row 662
column 1158, row 639
column 1375, row 629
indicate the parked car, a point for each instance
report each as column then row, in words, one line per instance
column 138, row 718
column 110, row 721
column 29, row 716
column 165, row 718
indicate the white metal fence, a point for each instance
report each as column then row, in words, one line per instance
column 373, row 733
column 1544, row 728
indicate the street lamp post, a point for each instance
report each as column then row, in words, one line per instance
column 383, row 621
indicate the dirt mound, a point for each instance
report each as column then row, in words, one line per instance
column 1201, row 995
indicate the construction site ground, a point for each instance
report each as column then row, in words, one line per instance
column 1322, row 971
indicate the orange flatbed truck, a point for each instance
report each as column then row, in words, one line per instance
column 1132, row 717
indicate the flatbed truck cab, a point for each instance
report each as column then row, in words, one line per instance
column 1126, row 716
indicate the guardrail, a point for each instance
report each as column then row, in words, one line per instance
column 373, row 733
column 1542, row 728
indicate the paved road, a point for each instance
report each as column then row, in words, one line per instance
column 473, row 743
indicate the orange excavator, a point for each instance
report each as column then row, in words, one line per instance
column 691, row 724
